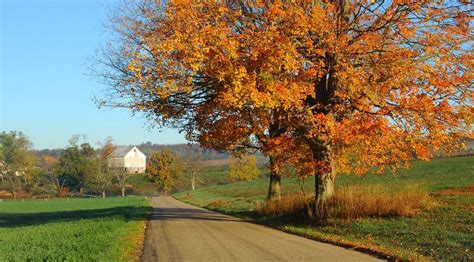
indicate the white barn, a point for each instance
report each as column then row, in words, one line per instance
column 129, row 158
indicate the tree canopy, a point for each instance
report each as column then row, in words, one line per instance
column 165, row 167
column 325, row 86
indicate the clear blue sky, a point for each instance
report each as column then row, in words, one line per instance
column 45, row 91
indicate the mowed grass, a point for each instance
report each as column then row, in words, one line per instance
column 209, row 176
column 444, row 232
column 95, row 229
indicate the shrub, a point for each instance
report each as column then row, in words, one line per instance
column 353, row 202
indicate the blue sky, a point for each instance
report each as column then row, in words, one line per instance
column 45, row 91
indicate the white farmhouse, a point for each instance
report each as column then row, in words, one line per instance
column 129, row 158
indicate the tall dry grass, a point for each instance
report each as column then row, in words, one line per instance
column 353, row 202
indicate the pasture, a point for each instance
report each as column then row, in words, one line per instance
column 444, row 232
column 72, row 229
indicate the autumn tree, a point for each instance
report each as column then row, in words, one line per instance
column 306, row 83
column 165, row 167
column 192, row 163
column 389, row 81
column 243, row 168
column 187, row 79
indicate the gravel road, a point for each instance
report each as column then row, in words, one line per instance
column 180, row 232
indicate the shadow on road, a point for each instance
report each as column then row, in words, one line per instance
column 188, row 214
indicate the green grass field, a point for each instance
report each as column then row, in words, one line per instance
column 443, row 233
column 108, row 229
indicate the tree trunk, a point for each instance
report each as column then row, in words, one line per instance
column 274, row 189
column 103, row 194
column 123, row 191
column 323, row 180
column 324, row 189
column 193, row 181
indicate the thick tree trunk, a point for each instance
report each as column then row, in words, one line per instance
column 324, row 189
column 274, row 189
column 123, row 191
column 103, row 194
column 323, row 180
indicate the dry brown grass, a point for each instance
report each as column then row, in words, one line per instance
column 217, row 203
column 355, row 202
column 288, row 204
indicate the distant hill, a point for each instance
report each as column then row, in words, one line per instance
column 183, row 149
column 148, row 147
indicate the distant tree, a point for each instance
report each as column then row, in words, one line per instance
column 165, row 168
column 16, row 158
column 243, row 168
column 102, row 176
column 192, row 164
column 121, row 178
column 32, row 172
column 76, row 162
column 108, row 147
column 120, row 175
column 48, row 162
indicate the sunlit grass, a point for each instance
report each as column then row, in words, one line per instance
column 71, row 230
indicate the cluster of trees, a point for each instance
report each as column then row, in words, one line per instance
column 167, row 168
column 319, row 87
column 82, row 168
column 77, row 168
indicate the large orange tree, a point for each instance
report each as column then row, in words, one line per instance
column 326, row 86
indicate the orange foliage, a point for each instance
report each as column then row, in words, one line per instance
column 333, row 87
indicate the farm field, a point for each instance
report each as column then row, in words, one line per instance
column 444, row 232
column 72, row 230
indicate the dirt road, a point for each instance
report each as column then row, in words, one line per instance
column 181, row 232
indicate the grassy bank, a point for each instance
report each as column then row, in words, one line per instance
column 72, row 230
column 444, row 232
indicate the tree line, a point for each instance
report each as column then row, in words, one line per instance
column 77, row 168
column 80, row 168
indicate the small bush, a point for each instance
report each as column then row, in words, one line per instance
column 353, row 202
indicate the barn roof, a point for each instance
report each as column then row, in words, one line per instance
column 121, row 151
